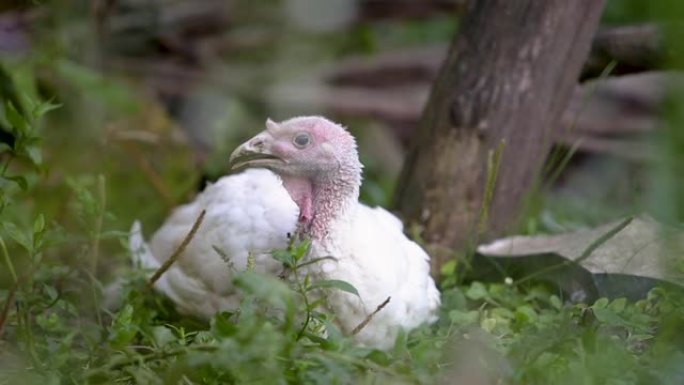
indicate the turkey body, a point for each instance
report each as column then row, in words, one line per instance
column 247, row 214
column 250, row 214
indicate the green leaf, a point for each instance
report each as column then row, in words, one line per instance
column 502, row 313
column 525, row 314
column 35, row 154
column 333, row 333
column 8, row 90
column 223, row 325
column 641, row 337
column 284, row 257
column 39, row 224
column 38, row 234
column 301, row 249
column 17, row 121
column 463, row 318
column 555, row 302
column 123, row 330
column 618, row 305
column 17, row 235
column 379, row 357
column 335, row 284
column 477, row 291
column 51, row 292
column 162, row 336
column 19, row 180
column 43, row 108
column 449, row 268
column 608, row 317
column 600, row 303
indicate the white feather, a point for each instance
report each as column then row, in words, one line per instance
column 252, row 213
column 247, row 213
column 373, row 254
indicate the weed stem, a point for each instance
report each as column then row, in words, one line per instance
column 8, row 260
column 167, row 264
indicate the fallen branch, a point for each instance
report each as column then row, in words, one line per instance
column 370, row 317
column 167, row 264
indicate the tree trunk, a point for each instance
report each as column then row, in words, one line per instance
column 508, row 77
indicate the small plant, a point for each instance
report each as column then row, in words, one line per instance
column 548, row 341
column 278, row 334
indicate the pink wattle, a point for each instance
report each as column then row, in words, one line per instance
column 301, row 192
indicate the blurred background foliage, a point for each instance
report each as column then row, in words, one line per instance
column 116, row 110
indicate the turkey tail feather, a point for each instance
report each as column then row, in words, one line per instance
column 141, row 255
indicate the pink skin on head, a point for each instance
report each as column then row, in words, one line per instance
column 321, row 178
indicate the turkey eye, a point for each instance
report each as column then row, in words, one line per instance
column 301, row 140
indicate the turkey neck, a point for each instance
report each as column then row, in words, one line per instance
column 323, row 201
column 301, row 192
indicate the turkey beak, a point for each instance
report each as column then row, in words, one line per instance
column 256, row 152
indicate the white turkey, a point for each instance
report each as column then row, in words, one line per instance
column 302, row 176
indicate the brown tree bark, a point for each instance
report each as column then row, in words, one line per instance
column 508, row 77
